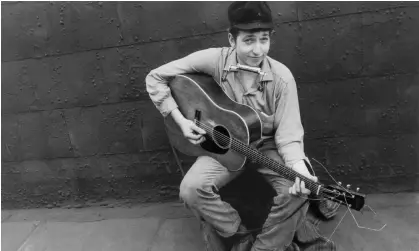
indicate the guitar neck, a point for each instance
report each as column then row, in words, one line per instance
column 256, row 156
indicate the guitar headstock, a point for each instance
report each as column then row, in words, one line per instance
column 345, row 196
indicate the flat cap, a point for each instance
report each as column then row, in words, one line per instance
column 250, row 15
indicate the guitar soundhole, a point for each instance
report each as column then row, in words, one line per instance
column 221, row 137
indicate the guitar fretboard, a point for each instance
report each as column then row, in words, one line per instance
column 256, row 156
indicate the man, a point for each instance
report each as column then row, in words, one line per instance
column 274, row 97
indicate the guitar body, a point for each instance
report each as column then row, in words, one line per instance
column 200, row 97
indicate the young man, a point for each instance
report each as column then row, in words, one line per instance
column 275, row 99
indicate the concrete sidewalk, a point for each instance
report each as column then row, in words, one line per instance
column 169, row 227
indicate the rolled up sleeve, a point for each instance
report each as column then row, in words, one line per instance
column 289, row 131
column 157, row 81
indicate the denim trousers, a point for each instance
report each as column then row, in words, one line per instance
column 199, row 191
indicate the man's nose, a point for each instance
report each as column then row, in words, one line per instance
column 257, row 50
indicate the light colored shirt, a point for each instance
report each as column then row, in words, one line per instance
column 276, row 101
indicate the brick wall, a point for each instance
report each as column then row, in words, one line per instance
column 77, row 123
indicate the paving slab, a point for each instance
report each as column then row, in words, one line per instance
column 108, row 235
column 168, row 210
column 387, row 200
column 178, row 235
column 13, row 235
column 171, row 227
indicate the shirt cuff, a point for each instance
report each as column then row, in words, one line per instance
column 306, row 163
column 293, row 154
column 168, row 105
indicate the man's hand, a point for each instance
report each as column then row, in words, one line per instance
column 192, row 132
column 299, row 186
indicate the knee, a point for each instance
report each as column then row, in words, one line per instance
column 194, row 190
column 188, row 191
column 185, row 191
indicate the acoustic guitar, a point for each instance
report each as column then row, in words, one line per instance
column 231, row 130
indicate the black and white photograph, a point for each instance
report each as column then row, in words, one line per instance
column 209, row 125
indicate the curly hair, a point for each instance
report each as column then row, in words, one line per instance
column 235, row 31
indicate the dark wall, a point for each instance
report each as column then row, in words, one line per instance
column 77, row 123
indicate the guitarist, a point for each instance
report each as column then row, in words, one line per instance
column 275, row 98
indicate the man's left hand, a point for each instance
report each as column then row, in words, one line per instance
column 299, row 187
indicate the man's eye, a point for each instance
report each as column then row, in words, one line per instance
column 264, row 40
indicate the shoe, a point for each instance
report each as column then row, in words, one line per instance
column 243, row 240
column 243, row 244
column 212, row 240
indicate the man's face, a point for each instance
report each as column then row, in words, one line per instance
column 252, row 47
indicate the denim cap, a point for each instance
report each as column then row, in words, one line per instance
column 250, row 15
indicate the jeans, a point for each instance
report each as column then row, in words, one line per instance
column 199, row 191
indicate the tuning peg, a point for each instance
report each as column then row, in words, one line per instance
column 348, row 186
column 357, row 189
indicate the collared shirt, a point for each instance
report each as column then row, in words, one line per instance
column 274, row 96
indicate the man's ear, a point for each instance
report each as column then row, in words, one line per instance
column 231, row 40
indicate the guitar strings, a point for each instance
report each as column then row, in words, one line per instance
column 359, row 226
column 346, row 212
column 372, row 229
column 330, row 175
column 337, row 226
column 348, row 208
column 242, row 145
column 327, row 238
column 340, row 221
column 287, row 170
column 356, row 222
column 224, row 137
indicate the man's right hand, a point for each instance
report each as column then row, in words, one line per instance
column 191, row 131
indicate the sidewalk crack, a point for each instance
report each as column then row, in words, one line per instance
column 6, row 218
column 153, row 240
column 34, row 230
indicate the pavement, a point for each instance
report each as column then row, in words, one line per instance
column 170, row 227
